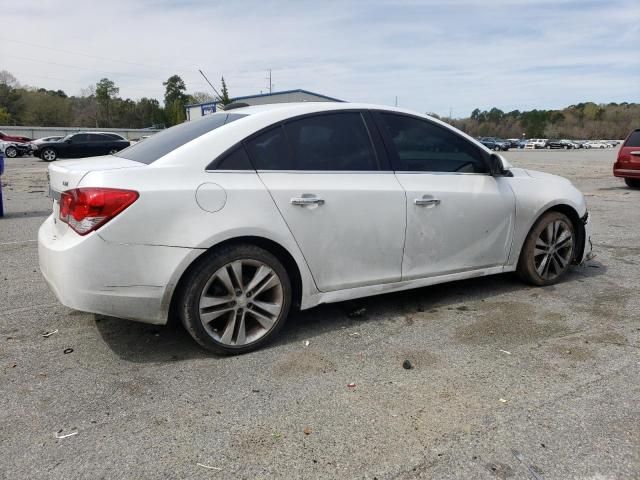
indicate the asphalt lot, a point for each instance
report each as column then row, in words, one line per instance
column 509, row 381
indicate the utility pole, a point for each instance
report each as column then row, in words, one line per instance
column 450, row 113
column 396, row 100
column 270, row 84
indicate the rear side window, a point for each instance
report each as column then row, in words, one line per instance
column 422, row 146
column 269, row 151
column 338, row 141
column 235, row 160
column 633, row 140
column 168, row 140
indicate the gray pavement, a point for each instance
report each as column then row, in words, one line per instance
column 509, row 381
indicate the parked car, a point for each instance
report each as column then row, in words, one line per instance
column 231, row 220
column 83, row 144
column 594, row 144
column 4, row 137
column 565, row 144
column 14, row 149
column 535, row 143
column 513, row 142
column 627, row 165
column 494, row 143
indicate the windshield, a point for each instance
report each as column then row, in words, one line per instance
column 161, row 143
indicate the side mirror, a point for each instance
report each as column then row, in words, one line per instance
column 496, row 167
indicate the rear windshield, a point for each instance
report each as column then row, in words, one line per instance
column 633, row 140
column 158, row 145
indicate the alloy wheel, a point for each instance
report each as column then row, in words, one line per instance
column 241, row 302
column 11, row 152
column 553, row 250
column 49, row 155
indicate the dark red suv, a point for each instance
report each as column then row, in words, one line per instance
column 628, row 164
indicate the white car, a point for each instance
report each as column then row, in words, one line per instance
column 535, row 143
column 230, row 221
column 594, row 144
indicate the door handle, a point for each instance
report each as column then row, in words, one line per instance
column 636, row 153
column 304, row 201
column 424, row 202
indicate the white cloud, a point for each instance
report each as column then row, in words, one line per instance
column 432, row 55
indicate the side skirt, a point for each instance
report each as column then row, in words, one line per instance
column 359, row 292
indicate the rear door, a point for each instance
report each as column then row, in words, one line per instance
column 344, row 207
column 459, row 217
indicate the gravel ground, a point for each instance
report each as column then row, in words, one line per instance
column 508, row 381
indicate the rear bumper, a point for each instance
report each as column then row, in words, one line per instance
column 134, row 282
column 621, row 171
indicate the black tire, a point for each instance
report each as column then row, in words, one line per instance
column 49, row 155
column 11, row 152
column 113, row 151
column 496, row 148
column 199, row 276
column 526, row 264
column 632, row 182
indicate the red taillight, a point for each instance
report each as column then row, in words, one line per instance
column 87, row 209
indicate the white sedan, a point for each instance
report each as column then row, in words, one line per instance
column 231, row 221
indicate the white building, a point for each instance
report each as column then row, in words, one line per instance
column 198, row 110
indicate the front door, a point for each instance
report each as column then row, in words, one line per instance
column 346, row 214
column 459, row 217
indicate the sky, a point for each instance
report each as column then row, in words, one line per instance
column 434, row 56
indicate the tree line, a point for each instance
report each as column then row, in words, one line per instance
column 97, row 105
column 100, row 105
column 583, row 121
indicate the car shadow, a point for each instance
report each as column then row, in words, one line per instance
column 142, row 343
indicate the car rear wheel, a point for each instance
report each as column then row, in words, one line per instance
column 11, row 152
column 48, row 155
column 113, row 151
column 548, row 250
column 632, row 182
column 236, row 299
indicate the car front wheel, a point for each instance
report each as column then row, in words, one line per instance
column 48, row 155
column 11, row 152
column 632, row 182
column 236, row 299
column 548, row 250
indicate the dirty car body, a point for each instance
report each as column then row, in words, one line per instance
column 401, row 210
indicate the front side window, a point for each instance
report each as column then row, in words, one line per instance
column 79, row 138
column 337, row 141
column 423, row 146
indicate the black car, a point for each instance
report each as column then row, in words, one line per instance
column 13, row 150
column 78, row 145
column 566, row 144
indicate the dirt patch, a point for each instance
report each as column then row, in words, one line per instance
column 575, row 353
column 500, row 470
column 303, row 363
column 510, row 323
column 608, row 337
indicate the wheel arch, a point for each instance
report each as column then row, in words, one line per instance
column 576, row 221
column 273, row 247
